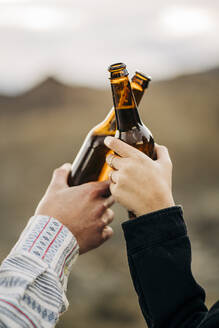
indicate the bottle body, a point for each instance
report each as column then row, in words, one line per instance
column 89, row 164
column 85, row 167
column 140, row 138
column 90, row 159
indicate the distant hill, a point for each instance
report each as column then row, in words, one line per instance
column 53, row 94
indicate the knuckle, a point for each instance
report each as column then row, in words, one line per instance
column 92, row 191
column 101, row 224
column 110, row 214
column 108, row 233
column 121, row 179
column 101, row 209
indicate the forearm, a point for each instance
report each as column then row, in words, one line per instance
column 33, row 278
column 159, row 255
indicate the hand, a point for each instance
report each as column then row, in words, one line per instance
column 137, row 182
column 83, row 209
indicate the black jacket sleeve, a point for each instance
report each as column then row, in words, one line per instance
column 159, row 256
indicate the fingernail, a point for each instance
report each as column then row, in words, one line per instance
column 107, row 141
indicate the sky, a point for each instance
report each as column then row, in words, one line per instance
column 75, row 41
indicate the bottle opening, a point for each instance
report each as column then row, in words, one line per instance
column 141, row 79
column 143, row 76
column 116, row 67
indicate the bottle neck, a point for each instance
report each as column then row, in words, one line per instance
column 107, row 126
column 126, row 111
column 139, row 84
column 138, row 92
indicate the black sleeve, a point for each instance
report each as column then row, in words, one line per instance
column 159, row 256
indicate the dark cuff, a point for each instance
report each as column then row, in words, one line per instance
column 154, row 228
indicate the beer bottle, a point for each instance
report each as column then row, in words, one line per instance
column 139, row 83
column 130, row 128
column 89, row 164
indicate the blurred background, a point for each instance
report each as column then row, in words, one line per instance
column 54, row 88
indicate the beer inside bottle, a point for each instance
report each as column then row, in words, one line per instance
column 89, row 164
column 130, row 128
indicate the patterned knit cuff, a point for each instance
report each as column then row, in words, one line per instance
column 52, row 242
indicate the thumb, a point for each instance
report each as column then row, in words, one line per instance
column 60, row 177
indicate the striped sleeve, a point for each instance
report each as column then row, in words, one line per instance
column 33, row 278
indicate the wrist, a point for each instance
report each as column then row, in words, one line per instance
column 154, row 228
column 155, row 206
column 48, row 240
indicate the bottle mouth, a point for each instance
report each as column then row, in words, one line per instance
column 117, row 70
column 141, row 79
column 116, row 67
column 143, row 76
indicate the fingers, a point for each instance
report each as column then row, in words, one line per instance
column 105, row 230
column 60, row 176
column 114, row 161
column 108, row 217
column 162, row 154
column 107, row 233
column 121, row 148
column 109, row 202
column 96, row 189
column 113, row 176
column 101, row 187
column 104, row 204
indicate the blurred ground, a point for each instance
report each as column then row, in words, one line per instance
column 45, row 127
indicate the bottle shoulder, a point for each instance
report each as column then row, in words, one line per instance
column 137, row 134
column 107, row 126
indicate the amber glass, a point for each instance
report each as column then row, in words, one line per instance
column 130, row 128
column 89, row 164
column 139, row 84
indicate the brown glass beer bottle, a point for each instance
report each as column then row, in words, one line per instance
column 89, row 164
column 130, row 128
column 139, row 83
